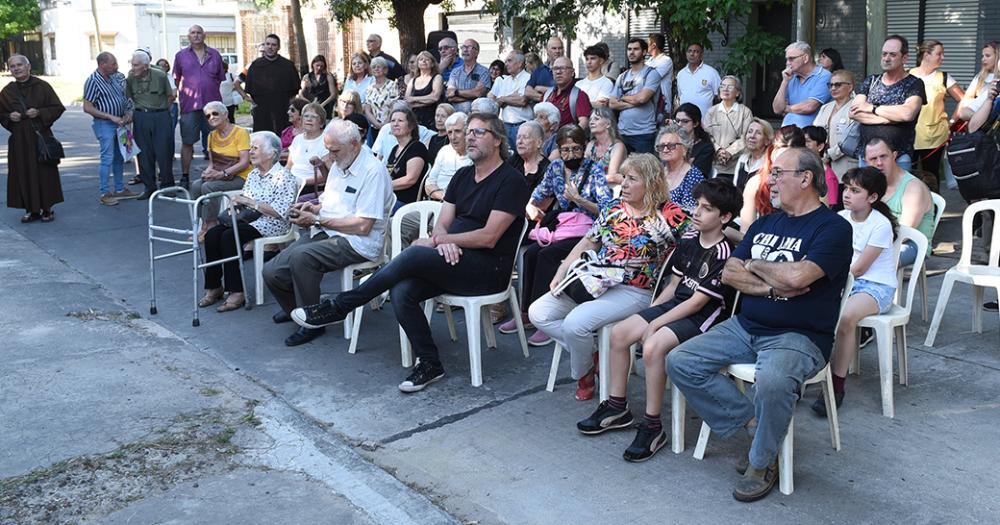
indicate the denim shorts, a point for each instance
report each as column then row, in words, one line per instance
column 882, row 293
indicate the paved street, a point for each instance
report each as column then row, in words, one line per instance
column 154, row 420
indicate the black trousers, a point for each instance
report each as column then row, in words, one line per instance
column 932, row 162
column 220, row 244
column 270, row 113
column 420, row 273
column 538, row 267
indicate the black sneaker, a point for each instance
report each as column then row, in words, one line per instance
column 867, row 336
column 647, row 441
column 819, row 406
column 421, row 376
column 605, row 418
column 755, row 484
column 325, row 312
column 991, row 306
column 185, row 183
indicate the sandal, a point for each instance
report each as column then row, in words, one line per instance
column 48, row 216
column 211, row 297
column 229, row 306
column 30, row 217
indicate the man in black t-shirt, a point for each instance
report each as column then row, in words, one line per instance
column 887, row 105
column 791, row 268
column 471, row 251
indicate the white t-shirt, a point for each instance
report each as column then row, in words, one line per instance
column 602, row 85
column 448, row 161
column 876, row 230
column 509, row 85
column 664, row 65
column 365, row 190
column 699, row 87
column 982, row 95
column 303, row 149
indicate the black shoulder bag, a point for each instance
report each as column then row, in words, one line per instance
column 50, row 150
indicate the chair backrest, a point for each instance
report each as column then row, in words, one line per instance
column 848, row 285
column 939, row 205
column 517, row 245
column 967, row 237
column 428, row 213
column 421, row 193
column 910, row 234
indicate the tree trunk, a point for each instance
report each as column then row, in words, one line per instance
column 410, row 24
column 300, row 37
column 97, row 27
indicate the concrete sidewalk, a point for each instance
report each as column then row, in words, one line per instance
column 509, row 452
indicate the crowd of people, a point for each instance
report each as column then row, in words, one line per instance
column 660, row 178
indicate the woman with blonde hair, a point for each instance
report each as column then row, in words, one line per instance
column 933, row 127
column 359, row 77
column 606, row 148
column 834, row 117
column 424, row 92
column 979, row 88
column 758, row 141
column 635, row 233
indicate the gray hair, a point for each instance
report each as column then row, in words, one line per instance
column 736, row 80
column 448, row 41
column 270, row 140
column 673, row 129
column 379, row 61
column 807, row 159
column 400, row 104
column 22, row 57
column 517, row 56
column 485, row 105
column 343, row 131
column 217, row 106
column 376, row 37
column 536, row 128
column 802, row 47
column 457, row 118
column 143, row 56
column 551, row 111
column 608, row 114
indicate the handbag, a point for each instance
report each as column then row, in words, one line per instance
column 49, row 150
column 851, row 139
column 587, row 279
column 569, row 224
column 244, row 214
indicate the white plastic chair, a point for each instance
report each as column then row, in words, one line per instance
column 477, row 314
column 939, row 206
column 347, row 278
column 746, row 373
column 291, row 235
column 978, row 275
column 893, row 323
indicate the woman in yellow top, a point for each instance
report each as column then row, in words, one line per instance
column 228, row 162
column 932, row 124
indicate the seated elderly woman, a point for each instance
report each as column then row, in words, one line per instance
column 577, row 186
column 385, row 140
column 527, row 158
column 757, row 192
column 635, row 233
column 305, row 155
column 349, row 108
column 269, row 191
column 547, row 115
column 673, row 143
column 758, row 141
column 407, row 162
column 449, row 159
column 228, row 162
column 440, row 139
column 485, row 105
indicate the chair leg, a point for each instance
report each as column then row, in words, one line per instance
column 785, row 462
column 472, row 316
column 922, row 283
column 831, row 411
column 855, row 367
column 515, row 307
column 677, row 415
column 491, row 337
column 883, row 337
column 359, row 312
column 346, row 283
column 942, row 303
column 554, row 369
column 258, row 275
column 901, row 358
column 451, row 323
column 977, row 309
column 699, row 449
column 604, row 361
column 404, row 349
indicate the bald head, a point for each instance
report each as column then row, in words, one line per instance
column 562, row 72
column 554, row 49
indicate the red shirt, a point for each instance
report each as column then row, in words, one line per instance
column 561, row 101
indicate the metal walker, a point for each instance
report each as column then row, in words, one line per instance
column 179, row 195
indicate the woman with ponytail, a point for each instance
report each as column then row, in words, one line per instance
column 873, row 266
column 757, row 192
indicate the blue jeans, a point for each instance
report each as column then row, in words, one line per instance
column 111, row 157
column 783, row 363
column 639, row 143
column 512, row 134
column 907, row 254
column 903, row 161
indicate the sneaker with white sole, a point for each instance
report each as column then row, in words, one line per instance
column 510, row 326
column 646, row 443
column 125, row 194
column 108, row 199
column 539, row 338
column 605, row 418
column 323, row 313
column 421, row 376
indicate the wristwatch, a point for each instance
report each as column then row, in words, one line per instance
column 316, row 223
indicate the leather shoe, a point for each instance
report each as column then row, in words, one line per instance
column 303, row 336
column 281, row 316
column 145, row 196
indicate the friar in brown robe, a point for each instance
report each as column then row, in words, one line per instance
column 26, row 105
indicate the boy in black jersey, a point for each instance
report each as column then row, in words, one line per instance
column 694, row 300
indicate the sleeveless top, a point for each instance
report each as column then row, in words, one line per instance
column 425, row 114
column 319, row 89
column 895, row 203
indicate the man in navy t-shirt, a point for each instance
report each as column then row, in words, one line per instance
column 791, row 268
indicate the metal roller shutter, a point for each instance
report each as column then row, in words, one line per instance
column 952, row 22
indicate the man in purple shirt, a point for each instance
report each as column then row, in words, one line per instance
column 198, row 71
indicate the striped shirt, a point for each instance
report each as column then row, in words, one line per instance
column 107, row 95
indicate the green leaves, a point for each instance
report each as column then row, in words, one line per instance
column 18, row 16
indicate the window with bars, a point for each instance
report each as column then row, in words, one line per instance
column 107, row 42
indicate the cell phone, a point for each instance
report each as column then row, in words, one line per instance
column 293, row 213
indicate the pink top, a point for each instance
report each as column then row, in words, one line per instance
column 832, row 187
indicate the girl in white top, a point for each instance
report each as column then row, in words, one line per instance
column 873, row 266
column 975, row 96
column 307, row 149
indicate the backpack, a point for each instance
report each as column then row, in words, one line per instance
column 574, row 94
column 975, row 160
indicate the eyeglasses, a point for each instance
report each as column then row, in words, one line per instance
column 794, row 58
column 727, row 87
column 210, row 114
column 777, row 173
column 478, row 132
column 568, row 150
column 465, row 48
column 666, row 146
column 562, row 68
column 445, row 48
column 683, row 120
column 833, row 85
column 309, row 116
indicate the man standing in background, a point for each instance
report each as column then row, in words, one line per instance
column 149, row 90
column 198, row 71
column 272, row 81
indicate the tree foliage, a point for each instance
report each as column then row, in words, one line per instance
column 18, row 16
column 407, row 16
